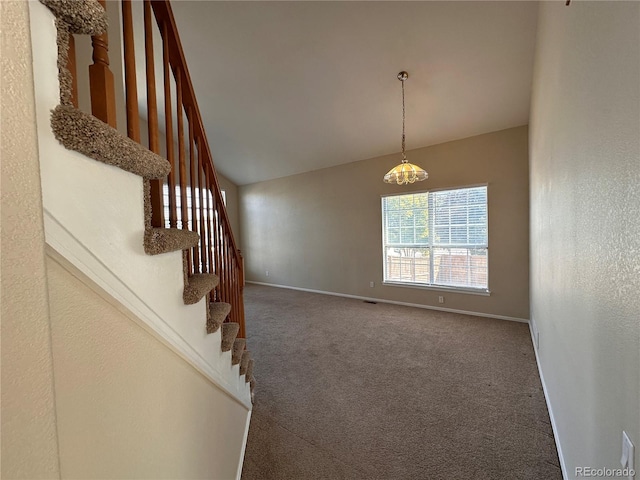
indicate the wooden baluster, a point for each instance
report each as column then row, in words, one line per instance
column 214, row 219
column 226, row 271
column 230, row 283
column 243, row 331
column 182, row 153
column 71, row 65
column 203, row 232
column 207, row 222
column 131, row 88
column 239, row 300
column 214, row 242
column 182, row 163
column 236, row 283
column 233, row 285
column 157, row 209
column 224, row 285
column 224, row 240
column 193, row 166
column 103, row 94
column 217, row 244
column 230, row 286
column 173, row 220
column 236, row 288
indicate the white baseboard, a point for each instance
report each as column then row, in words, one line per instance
column 393, row 302
column 244, row 446
column 533, row 328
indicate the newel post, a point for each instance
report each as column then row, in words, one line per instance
column 103, row 97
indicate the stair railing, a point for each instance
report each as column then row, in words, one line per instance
column 191, row 197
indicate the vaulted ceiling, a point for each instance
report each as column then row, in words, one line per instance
column 289, row 87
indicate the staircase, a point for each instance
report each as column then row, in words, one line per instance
column 184, row 209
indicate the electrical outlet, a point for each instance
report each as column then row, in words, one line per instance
column 440, row 299
column 628, row 452
column 371, row 284
column 267, row 273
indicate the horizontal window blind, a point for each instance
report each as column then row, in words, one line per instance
column 437, row 238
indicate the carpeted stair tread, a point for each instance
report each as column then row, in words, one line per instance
column 163, row 240
column 218, row 312
column 249, row 374
column 198, row 286
column 252, row 384
column 229, row 332
column 82, row 17
column 84, row 133
column 244, row 362
column 238, row 348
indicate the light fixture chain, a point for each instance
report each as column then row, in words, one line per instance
column 405, row 172
column 404, row 156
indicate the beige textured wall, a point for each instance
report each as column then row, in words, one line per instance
column 585, row 230
column 29, row 444
column 127, row 406
column 322, row 230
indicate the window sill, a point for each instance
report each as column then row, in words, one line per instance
column 469, row 291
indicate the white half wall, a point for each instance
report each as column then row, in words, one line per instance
column 126, row 405
column 585, row 226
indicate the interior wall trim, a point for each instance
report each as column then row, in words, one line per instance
column 563, row 466
column 393, row 302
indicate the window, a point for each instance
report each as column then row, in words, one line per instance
column 437, row 238
column 207, row 200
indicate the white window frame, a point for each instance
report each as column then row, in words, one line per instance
column 433, row 286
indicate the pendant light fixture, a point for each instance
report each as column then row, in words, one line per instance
column 405, row 172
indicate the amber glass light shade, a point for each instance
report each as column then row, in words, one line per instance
column 405, row 173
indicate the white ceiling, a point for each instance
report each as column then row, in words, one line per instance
column 289, row 87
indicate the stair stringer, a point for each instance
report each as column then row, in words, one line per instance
column 94, row 216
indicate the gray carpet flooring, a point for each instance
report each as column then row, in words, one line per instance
column 351, row 390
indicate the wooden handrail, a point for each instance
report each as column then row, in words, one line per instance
column 198, row 205
column 219, row 252
column 163, row 12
